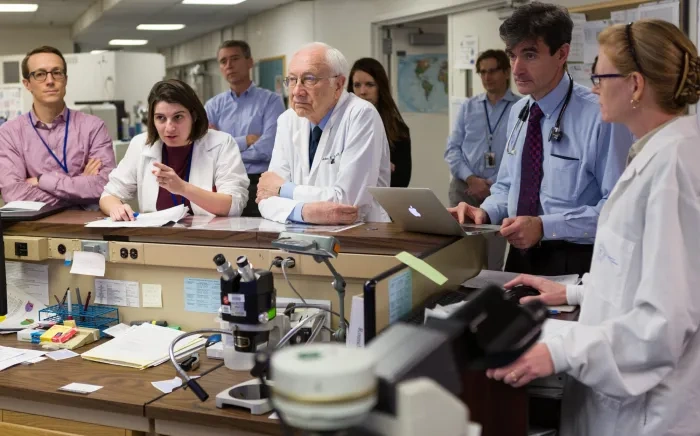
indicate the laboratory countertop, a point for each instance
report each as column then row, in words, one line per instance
column 125, row 390
column 370, row 238
column 183, row 406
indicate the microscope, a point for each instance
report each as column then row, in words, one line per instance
column 407, row 382
column 250, row 324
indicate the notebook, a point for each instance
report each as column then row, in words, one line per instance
column 143, row 346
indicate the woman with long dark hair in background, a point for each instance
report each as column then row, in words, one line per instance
column 369, row 81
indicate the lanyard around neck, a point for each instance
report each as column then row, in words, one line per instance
column 188, row 167
column 64, row 164
column 488, row 121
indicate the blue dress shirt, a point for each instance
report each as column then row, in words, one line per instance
column 287, row 190
column 579, row 171
column 468, row 143
column 254, row 112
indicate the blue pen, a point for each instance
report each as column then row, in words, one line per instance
column 553, row 312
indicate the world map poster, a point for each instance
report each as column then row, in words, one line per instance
column 423, row 83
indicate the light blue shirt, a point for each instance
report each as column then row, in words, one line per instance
column 468, row 144
column 254, row 112
column 287, row 190
column 579, row 171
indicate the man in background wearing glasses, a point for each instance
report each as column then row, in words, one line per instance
column 52, row 154
column 330, row 146
column 247, row 113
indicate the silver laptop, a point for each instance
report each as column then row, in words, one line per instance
column 419, row 210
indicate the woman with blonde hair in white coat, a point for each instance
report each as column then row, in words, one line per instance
column 178, row 161
column 633, row 359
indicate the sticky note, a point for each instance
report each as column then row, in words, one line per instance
column 422, row 267
column 152, row 295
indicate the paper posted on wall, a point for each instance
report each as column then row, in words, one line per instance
column 22, row 311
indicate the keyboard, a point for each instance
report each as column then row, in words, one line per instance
column 443, row 298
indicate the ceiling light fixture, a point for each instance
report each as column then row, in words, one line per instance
column 18, row 7
column 160, row 26
column 212, row 2
column 97, row 51
column 128, row 42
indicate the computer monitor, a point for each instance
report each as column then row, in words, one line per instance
column 121, row 113
column 395, row 293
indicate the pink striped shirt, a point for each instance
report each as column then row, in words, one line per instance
column 23, row 156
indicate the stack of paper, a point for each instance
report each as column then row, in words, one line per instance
column 21, row 206
column 153, row 219
column 14, row 356
column 143, row 346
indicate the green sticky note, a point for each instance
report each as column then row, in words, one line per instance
column 422, row 267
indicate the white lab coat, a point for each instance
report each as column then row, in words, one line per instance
column 216, row 161
column 634, row 358
column 353, row 154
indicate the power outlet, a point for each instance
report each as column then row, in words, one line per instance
column 101, row 247
column 126, row 252
column 59, row 247
column 283, row 302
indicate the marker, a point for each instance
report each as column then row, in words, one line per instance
column 87, row 301
column 60, row 306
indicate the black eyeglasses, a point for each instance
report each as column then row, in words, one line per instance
column 595, row 78
column 630, row 44
column 41, row 75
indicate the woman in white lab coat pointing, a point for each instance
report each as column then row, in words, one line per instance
column 178, row 161
column 634, row 357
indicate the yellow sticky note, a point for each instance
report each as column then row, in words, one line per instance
column 422, row 267
column 152, row 295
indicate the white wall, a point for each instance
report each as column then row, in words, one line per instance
column 346, row 25
column 21, row 39
column 428, row 131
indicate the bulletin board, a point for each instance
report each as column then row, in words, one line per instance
column 269, row 74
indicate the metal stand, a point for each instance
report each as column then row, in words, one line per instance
column 339, row 286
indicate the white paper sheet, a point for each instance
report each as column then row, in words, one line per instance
column 88, row 264
column 117, row 330
column 24, row 357
column 117, row 293
column 153, row 219
column 467, row 52
column 667, row 11
column 22, row 311
column 22, row 206
column 577, row 38
column 152, row 295
column 167, row 386
column 61, row 354
column 29, row 278
column 80, row 388
column 591, row 29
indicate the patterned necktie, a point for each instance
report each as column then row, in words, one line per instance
column 531, row 166
column 313, row 143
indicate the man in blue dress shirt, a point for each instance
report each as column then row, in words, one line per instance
column 549, row 193
column 247, row 113
column 475, row 147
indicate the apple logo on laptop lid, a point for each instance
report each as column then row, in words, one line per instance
column 414, row 211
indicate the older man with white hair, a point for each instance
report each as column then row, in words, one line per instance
column 329, row 147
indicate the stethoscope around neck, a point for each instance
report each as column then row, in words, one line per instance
column 555, row 134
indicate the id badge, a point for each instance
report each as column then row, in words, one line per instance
column 490, row 159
